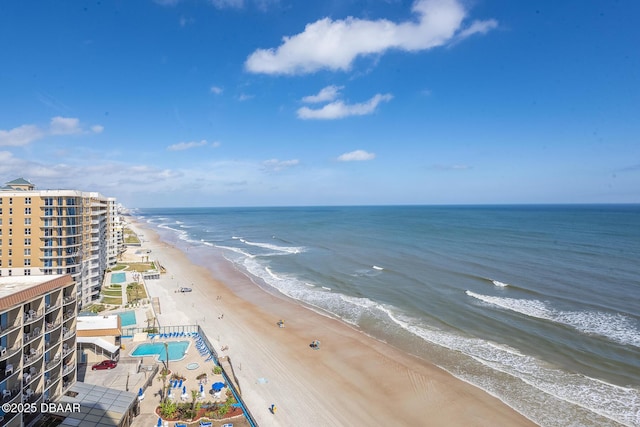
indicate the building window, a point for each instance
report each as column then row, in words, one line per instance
column 48, row 201
column 10, row 221
column 27, row 221
column 27, row 272
column 10, row 211
column 27, row 251
column 48, row 212
column 9, row 272
column 27, row 261
column 27, row 231
column 11, row 232
column 10, row 264
column 27, row 242
column 48, row 271
column 27, row 200
column 10, row 200
column 10, row 252
column 27, row 211
column 10, row 242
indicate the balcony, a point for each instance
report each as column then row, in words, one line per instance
column 12, row 326
column 69, row 299
column 9, row 371
column 32, row 357
column 7, row 353
column 32, row 336
column 53, row 362
column 49, row 308
column 33, row 316
column 30, row 376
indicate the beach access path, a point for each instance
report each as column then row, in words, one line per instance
column 353, row 380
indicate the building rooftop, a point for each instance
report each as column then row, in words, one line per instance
column 16, row 289
column 98, row 322
column 99, row 406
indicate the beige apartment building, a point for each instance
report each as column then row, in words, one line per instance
column 53, row 232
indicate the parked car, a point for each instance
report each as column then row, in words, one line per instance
column 105, row 364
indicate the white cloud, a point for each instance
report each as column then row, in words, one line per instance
column 326, row 94
column 245, row 97
column 186, row 145
column 275, row 165
column 478, row 27
column 26, row 134
column 64, row 126
column 338, row 109
column 22, row 135
column 223, row 4
column 215, row 89
column 334, row 45
column 356, row 156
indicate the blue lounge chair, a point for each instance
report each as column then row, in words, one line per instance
column 206, row 424
column 180, row 425
column 227, row 425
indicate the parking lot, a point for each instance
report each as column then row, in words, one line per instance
column 123, row 377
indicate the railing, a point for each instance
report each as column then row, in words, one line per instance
column 7, row 353
column 30, row 377
column 52, row 363
column 50, row 308
column 33, row 316
column 32, row 358
column 66, row 300
column 9, row 328
column 37, row 332
column 50, row 326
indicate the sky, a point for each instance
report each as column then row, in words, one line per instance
column 327, row 102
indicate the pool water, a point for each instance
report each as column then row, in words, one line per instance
column 127, row 318
column 118, row 277
column 177, row 350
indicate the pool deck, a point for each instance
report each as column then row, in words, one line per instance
column 153, row 394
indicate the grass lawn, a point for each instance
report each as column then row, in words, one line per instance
column 135, row 291
column 141, row 267
column 115, row 293
column 112, row 300
column 119, row 267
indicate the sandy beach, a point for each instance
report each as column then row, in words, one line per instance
column 352, row 380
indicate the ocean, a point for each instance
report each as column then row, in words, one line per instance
column 537, row 305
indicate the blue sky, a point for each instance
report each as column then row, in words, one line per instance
column 282, row 102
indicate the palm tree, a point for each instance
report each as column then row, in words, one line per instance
column 163, row 377
column 194, row 397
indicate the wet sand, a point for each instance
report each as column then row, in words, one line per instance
column 352, row 380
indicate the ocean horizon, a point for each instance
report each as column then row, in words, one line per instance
column 535, row 304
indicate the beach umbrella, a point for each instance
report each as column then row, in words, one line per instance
column 159, row 422
column 217, row 386
column 201, row 388
column 140, row 393
column 184, row 389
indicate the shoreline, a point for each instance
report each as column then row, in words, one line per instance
column 354, row 379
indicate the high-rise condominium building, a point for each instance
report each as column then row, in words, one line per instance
column 47, row 232
column 37, row 344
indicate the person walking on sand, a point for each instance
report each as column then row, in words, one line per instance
column 273, row 409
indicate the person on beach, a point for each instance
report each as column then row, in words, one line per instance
column 273, row 409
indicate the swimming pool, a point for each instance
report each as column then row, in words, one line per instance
column 177, row 350
column 127, row 318
column 118, row 277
